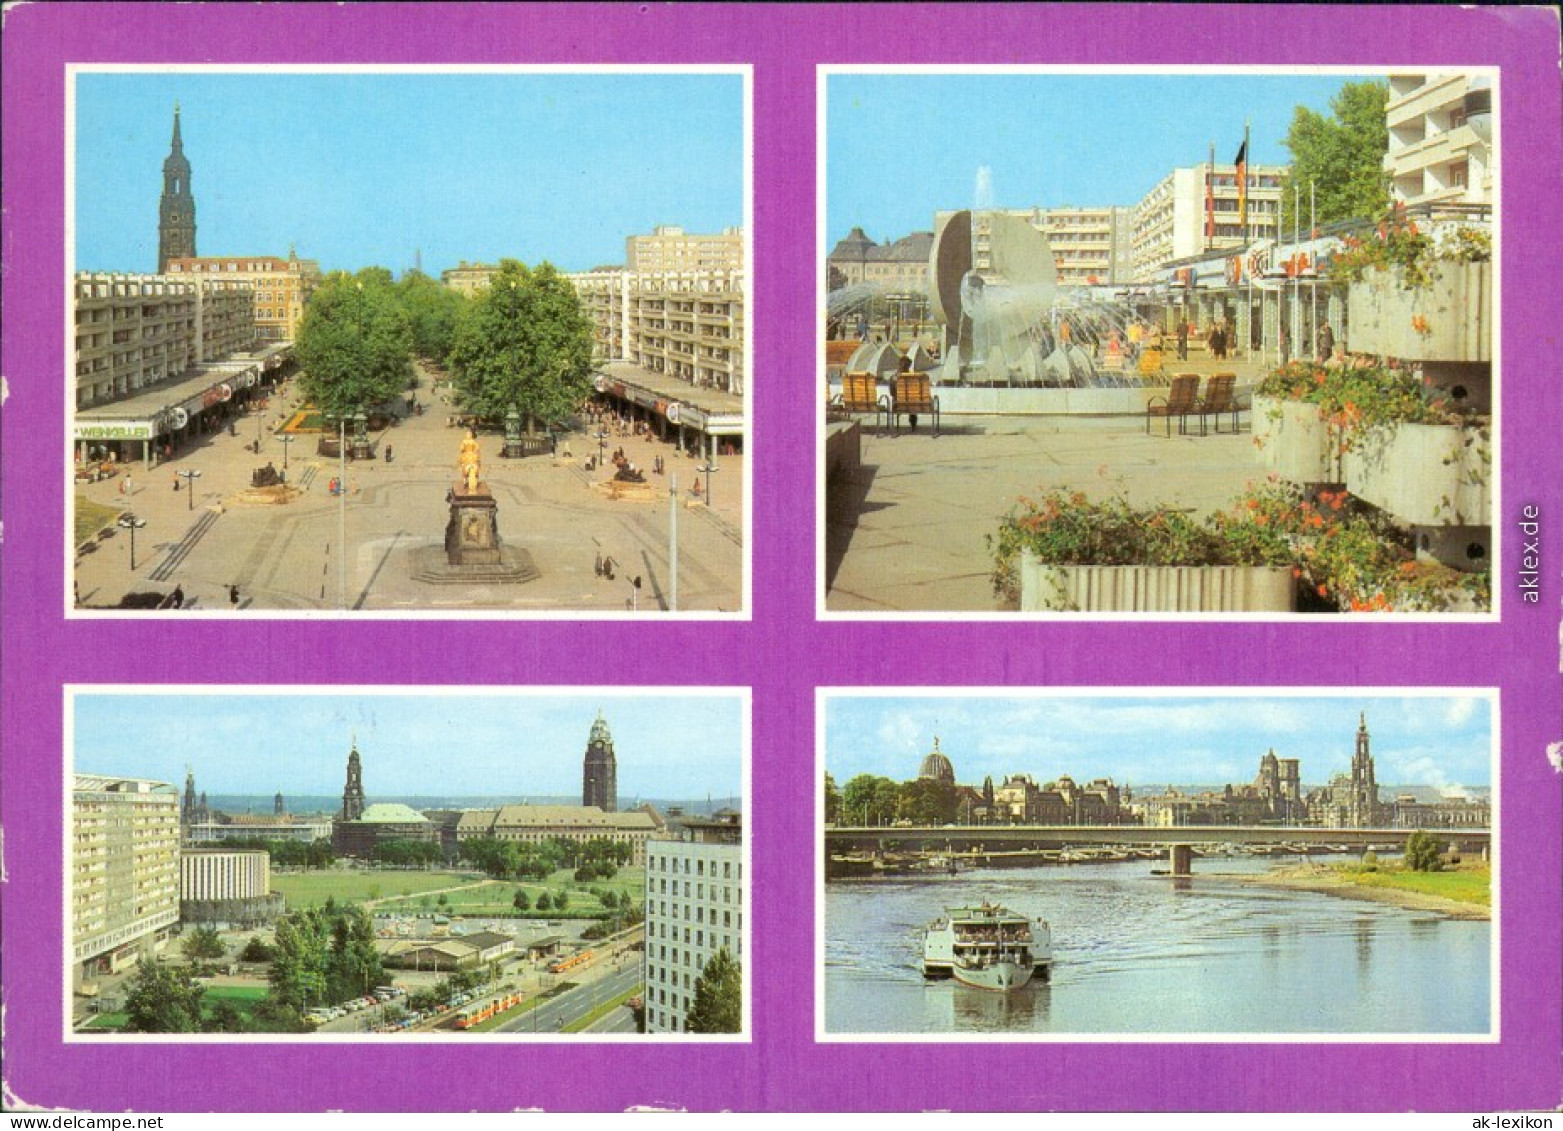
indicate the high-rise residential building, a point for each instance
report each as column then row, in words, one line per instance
column 136, row 331
column 176, row 207
column 281, row 287
column 124, row 871
column 695, row 899
column 599, row 773
column 1440, row 139
column 1200, row 208
column 670, row 249
column 687, row 325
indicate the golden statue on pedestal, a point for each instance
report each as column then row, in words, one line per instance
column 470, row 460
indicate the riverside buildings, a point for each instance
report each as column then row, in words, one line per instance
column 124, row 872
column 694, row 907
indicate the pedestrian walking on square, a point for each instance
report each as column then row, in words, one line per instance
column 1183, row 339
column 233, row 596
column 179, row 597
column 1326, row 342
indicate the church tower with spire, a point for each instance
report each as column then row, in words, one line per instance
column 176, row 209
column 600, row 775
column 353, row 792
column 1364, row 803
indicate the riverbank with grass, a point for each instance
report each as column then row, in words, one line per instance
column 1461, row 892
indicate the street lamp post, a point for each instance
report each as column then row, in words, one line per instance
column 708, row 467
column 602, row 444
column 131, row 523
column 189, row 477
column 286, row 442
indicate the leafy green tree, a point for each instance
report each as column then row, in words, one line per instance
column 523, row 344
column 561, row 901
column 718, row 1004
column 869, row 800
column 163, row 1000
column 927, row 802
column 203, row 942
column 832, row 800
column 256, row 950
column 354, row 346
column 1341, row 155
column 1422, row 853
column 225, row 1018
column 544, row 903
column 521, row 902
column 431, row 310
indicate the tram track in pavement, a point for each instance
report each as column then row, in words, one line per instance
column 180, row 550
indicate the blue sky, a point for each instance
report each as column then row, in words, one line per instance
column 360, row 170
column 667, row 745
column 1440, row 741
column 901, row 147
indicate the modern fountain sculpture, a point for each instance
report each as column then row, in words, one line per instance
column 993, row 282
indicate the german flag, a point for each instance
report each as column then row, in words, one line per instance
column 1241, row 161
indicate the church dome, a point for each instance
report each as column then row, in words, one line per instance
column 936, row 767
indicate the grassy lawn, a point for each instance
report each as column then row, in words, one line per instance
column 305, row 420
column 92, row 517
column 244, row 998
column 1466, row 883
column 500, row 896
column 311, row 889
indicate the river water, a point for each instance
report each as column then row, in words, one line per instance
column 1141, row 954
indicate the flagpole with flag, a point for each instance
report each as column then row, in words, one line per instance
column 1242, row 184
column 1241, row 163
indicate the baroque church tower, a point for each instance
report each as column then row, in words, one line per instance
column 176, row 209
column 600, row 776
column 1364, row 787
column 353, row 792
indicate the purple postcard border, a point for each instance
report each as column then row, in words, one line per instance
column 784, row 653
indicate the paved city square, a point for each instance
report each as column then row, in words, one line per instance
column 285, row 556
column 907, row 529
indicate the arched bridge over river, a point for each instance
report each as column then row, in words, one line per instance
column 994, row 843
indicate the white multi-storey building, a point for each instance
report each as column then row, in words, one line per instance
column 694, row 907
column 1440, row 139
column 124, row 871
column 671, row 249
column 134, row 331
column 688, row 325
column 1172, row 221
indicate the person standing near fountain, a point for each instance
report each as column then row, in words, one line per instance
column 1183, row 339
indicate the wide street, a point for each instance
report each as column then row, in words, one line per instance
column 567, row 1009
column 286, row 556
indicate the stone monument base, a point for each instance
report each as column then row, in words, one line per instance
column 472, row 533
column 431, row 565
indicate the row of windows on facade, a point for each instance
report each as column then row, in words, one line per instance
column 730, row 870
column 675, row 957
column 727, row 919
